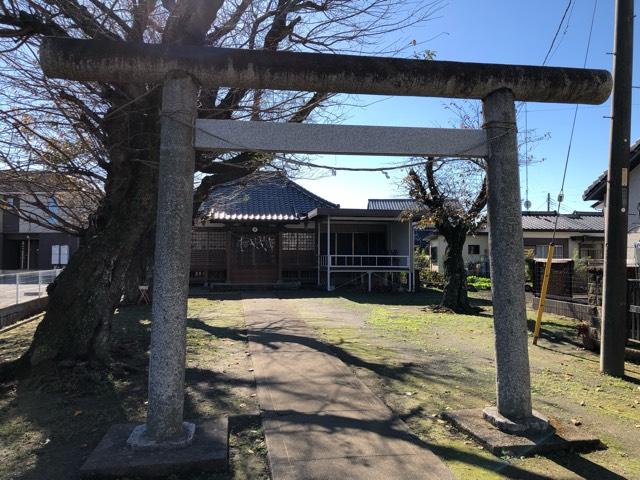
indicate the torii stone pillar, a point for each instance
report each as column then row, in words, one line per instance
column 165, row 424
column 513, row 383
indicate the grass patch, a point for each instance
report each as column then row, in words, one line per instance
column 50, row 422
column 422, row 362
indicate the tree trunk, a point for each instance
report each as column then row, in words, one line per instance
column 83, row 298
column 455, row 296
column 140, row 270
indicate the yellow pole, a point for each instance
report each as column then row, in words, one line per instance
column 543, row 293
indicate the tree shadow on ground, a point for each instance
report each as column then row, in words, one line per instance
column 557, row 333
column 346, row 427
column 570, row 460
column 273, row 339
column 583, row 467
column 427, row 297
column 69, row 409
column 560, row 334
column 274, row 336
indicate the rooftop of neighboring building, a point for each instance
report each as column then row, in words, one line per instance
column 598, row 189
column 576, row 221
column 545, row 221
column 393, row 204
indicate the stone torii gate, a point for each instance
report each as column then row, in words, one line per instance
column 183, row 69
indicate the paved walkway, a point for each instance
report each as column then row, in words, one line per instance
column 320, row 421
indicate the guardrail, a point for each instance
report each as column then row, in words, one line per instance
column 21, row 287
column 365, row 261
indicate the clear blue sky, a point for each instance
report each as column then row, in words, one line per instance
column 498, row 31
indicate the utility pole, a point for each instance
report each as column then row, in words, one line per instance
column 548, row 202
column 614, row 304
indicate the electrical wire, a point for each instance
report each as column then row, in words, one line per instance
column 573, row 124
column 527, row 203
column 547, row 57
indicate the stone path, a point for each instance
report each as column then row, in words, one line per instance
column 320, row 421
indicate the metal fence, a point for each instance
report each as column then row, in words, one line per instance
column 21, row 287
column 569, row 280
column 633, row 302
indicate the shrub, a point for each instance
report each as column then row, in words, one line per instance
column 431, row 279
column 479, row 283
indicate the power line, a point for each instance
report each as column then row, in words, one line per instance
column 527, row 203
column 575, row 116
column 547, row 57
column 555, row 37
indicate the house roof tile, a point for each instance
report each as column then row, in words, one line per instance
column 598, row 189
column 262, row 196
column 576, row 221
column 393, row 204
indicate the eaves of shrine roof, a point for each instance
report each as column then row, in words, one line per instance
column 261, row 196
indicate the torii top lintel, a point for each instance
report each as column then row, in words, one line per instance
column 119, row 62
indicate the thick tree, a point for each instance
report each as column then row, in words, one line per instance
column 454, row 193
column 107, row 135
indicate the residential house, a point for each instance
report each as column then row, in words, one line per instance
column 266, row 229
column 32, row 203
column 597, row 192
column 578, row 235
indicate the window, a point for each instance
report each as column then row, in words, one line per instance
column 593, row 251
column 289, row 241
column 542, row 250
column 473, row 249
column 434, row 254
column 59, row 254
column 203, row 240
column 302, row 241
column 306, row 241
column 52, row 206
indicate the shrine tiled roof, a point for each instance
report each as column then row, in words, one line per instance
column 261, row 196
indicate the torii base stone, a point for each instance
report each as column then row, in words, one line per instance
column 558, row 436
column 113, row 458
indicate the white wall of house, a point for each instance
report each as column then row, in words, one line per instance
column 482, row 240
column 634, row 216
column 398, row 238
column 633, row 237
column 479, row 242
column 545, row 236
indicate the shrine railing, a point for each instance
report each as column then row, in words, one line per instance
column 366, row 261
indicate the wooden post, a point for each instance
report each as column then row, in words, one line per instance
column 614, row 296
column 329, row 253
column 318, row 226
column 279, row 250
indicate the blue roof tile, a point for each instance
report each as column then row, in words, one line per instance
column 268, row 196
